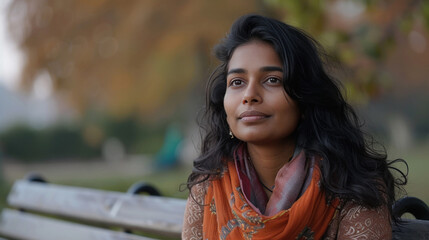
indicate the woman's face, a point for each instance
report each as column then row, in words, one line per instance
column 258, row 108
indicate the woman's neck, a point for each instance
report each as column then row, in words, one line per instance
column 268, row 160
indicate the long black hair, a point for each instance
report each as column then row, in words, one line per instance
column 352, row 168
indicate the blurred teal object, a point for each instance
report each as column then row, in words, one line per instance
column 168, row 156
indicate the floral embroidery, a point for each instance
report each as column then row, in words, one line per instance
column 193, row 219
column 247, row 229
column 358, row 222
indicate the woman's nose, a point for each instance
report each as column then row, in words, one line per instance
column 252, row 95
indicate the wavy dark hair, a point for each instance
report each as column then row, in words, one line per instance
column 352, row 167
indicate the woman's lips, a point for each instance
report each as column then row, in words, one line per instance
column 252, row 116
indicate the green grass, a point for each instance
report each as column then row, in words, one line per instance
column 4, row 191
column 168, row 182
column 418, row 176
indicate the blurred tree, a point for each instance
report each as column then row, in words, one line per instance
column 124, row 57
column 149, row 56
column 360, row 34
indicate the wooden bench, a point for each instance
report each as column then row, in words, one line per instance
column 94, row 214
column 52, row 212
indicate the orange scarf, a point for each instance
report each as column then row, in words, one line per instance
column 227, row 214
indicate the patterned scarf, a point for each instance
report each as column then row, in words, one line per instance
column 238, row 208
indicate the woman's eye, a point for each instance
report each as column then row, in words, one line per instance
column 236, row 82
column 273, row 80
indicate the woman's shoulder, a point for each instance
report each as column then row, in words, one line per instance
column 199, row 190
column 194, row 212
column 354, row 220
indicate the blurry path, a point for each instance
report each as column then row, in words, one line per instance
column 57, row 171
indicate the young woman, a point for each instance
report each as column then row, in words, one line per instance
column 284, row 156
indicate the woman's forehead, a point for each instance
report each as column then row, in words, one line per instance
column 254, row 54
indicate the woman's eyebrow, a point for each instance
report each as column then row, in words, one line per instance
column 271, row 69
column 262, row 69
column 236, row 70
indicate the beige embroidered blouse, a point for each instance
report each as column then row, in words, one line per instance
column 353, row 222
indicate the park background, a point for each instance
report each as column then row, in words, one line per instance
column 106, row 93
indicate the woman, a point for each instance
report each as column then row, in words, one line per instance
column 283, row 156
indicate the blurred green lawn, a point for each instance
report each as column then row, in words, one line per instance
column 168, row 182
column 418, row 164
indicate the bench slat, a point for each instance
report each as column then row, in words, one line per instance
column 27, row 226
column 159, row 215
